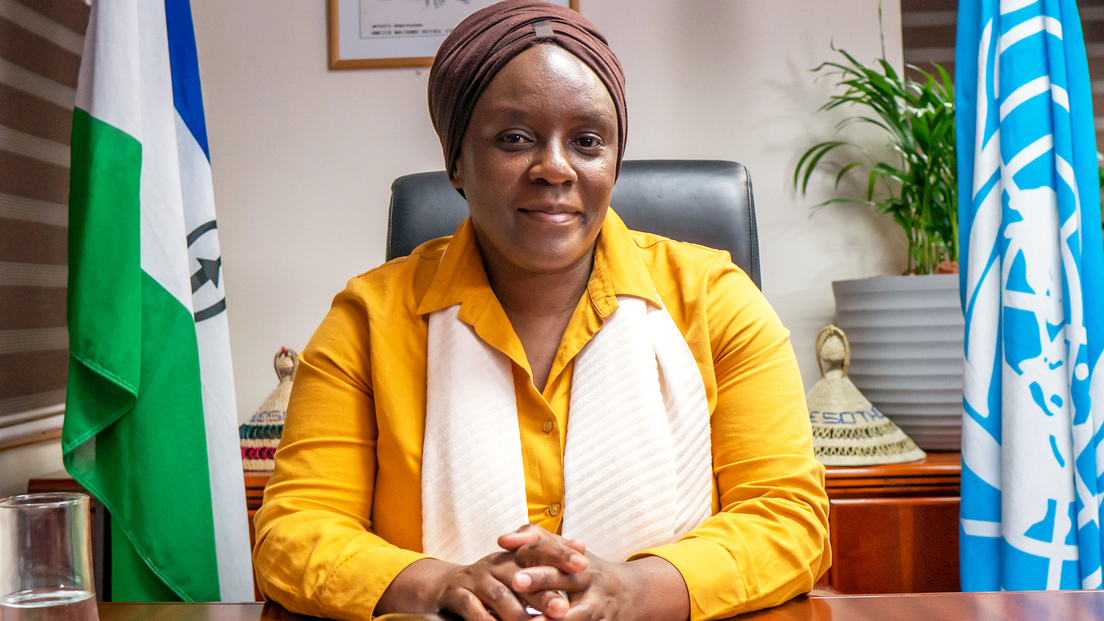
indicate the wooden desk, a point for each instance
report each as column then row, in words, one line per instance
column 1036, row 606
column 894, row 528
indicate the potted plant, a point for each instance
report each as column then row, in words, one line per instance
column 907, row 331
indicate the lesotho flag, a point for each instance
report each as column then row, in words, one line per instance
column 1033, row 295
column 150, row 425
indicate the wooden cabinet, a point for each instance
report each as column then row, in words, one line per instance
column 894, row 528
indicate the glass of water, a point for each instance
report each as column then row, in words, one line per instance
column 46, row 559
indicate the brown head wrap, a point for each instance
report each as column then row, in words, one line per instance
column 483, row 43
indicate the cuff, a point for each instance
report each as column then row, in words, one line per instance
column 717, row 587
column 359, row 580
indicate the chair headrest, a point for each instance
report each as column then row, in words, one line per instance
column 707, row 202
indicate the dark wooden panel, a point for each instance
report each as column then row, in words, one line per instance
column 911, row 6
column 894, row 545
column 32, row 372
column 33, row 242
column 30, row 178
column 32, row 307
column 34, row 53
column 1093, row 31
column 34, row 115
column 73, row 14
column 928, row 36
column 1096, row 66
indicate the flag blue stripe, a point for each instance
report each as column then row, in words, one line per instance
column 187, row 93
column 968, row 38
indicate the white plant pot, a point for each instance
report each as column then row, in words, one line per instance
column 906, row 352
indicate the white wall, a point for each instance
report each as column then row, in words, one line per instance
column 303, row 157
column 18, row 465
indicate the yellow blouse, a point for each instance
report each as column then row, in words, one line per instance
column 342, row 513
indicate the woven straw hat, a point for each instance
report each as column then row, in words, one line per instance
column 847, row 429
column 261, row 435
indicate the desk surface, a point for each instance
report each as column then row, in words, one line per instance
column 1036, row 606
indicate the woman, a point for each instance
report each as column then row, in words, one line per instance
column 545, row 410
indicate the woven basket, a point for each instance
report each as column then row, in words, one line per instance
column 847, row 429
column 261, row 435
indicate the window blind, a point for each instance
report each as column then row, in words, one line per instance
column 40, row 49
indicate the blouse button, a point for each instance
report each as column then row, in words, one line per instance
column 554, row 510
column 547, row 426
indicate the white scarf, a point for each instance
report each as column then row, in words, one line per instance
column 637, row 460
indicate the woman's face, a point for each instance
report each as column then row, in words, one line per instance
column 538, row 162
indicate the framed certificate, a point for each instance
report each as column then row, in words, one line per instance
column 366, row 34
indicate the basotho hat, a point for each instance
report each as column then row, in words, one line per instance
column 261, row 435
column 847, row 429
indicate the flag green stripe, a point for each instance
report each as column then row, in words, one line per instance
column 134, row 433
column 105, row 287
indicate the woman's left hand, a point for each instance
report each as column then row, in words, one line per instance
column 647, row 588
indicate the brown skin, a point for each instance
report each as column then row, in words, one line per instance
column 537, row 166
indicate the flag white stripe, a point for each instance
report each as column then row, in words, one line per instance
column 1060, row 96
column 1032, row 89
column 109, row 64
column 1008, row 6
column 164, row 257
column 1026, row 155
column 217, row 380
column 978, row 528
column 1029, row 27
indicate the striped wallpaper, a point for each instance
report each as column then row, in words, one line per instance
column 40, row 49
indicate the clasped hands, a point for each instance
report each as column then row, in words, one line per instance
column 535, row 568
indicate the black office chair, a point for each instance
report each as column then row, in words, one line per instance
column 706, row 202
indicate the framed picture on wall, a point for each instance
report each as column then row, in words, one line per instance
column 366, row 34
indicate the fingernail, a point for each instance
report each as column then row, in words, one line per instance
column 577, row 559
column 522, row 581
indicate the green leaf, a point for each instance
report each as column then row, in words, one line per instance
column 843, row 171
column 917, row 184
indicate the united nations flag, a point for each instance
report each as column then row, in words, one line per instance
column 1033, row 295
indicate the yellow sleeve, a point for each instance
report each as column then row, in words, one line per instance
column 769, row 542
column 315, row 552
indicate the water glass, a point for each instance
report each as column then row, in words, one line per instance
column 46, row 559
